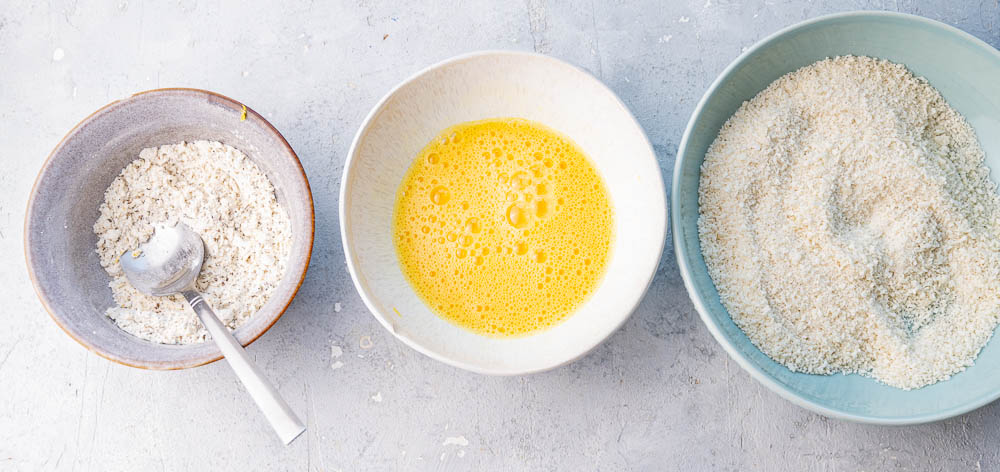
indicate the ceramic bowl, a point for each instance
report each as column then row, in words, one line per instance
column 490, row 85
column 966, row 71
column 59, row 240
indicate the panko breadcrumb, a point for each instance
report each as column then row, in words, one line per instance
column 849, row 224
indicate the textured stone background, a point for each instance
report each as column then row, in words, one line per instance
column 658, row 395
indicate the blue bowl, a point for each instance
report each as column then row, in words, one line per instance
column 967, row 73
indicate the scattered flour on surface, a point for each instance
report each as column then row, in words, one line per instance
column 849, row 224
column 335, row 353
column 222, row 195
column 455, row 441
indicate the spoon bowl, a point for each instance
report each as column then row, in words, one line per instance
column 166, row 264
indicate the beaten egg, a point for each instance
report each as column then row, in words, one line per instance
column 503, row 226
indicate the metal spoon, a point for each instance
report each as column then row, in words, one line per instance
column 169, row 263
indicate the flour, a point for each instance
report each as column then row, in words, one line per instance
column 849, row 224
column 336, row 352
column 220, row 194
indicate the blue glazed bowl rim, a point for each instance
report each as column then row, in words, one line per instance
column 680, row 251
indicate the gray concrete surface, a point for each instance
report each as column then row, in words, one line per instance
column 660, row 394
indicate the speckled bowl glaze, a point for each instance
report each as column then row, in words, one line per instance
column 59, row 240
column 966, row 71
column 489, row 85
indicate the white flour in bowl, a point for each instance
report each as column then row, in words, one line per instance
column 220, row 194
column 849, row 224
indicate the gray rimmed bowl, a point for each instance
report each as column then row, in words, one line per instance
column 59, row 241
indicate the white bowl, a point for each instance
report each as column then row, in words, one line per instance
column 497, row 84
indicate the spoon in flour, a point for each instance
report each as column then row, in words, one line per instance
column 169, row 263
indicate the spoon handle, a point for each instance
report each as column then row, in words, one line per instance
column 281, row 417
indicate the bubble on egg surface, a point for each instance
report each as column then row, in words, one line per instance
column 440, row 195
column 517, row 216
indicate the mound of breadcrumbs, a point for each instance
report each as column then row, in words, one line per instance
column 849, row 224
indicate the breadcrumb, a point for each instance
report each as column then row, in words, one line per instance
column 849, row 224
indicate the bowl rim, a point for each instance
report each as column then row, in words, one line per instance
column 350, row 255
column 30, row 263
column 681, row 253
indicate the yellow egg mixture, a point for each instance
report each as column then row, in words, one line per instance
column 503, row 226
